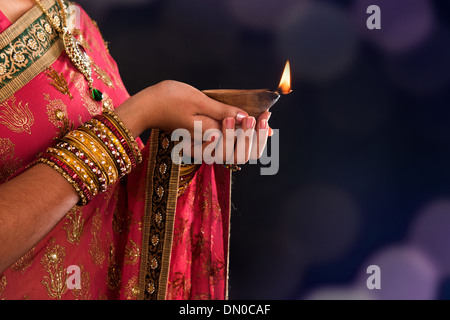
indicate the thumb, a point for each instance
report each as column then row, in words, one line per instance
column 219, row 111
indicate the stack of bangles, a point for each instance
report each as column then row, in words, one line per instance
column 94, row 156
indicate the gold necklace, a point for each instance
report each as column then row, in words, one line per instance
column 72, row 46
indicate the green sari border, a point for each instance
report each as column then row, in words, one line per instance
column 23, row 23
column 27, row 48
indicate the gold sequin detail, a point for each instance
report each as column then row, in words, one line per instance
column 53, row 263
column 131, row 289
column 58, row 116
column 158, row 218
column 165, row 143
column 160, row 191
column 154, row 263
column 154, row 239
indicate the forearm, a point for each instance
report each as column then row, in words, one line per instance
column 33, row 203
column 30, row 206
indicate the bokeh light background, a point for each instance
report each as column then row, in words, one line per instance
column 364, row 138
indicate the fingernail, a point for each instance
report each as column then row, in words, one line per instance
column 240, row 116
column 264, row 124
column 229, row 123
column 250, row 122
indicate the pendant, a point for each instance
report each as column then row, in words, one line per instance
column 80, row 60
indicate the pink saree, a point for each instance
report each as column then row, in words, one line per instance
column 145, row 238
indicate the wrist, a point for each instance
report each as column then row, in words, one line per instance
column 132, row 114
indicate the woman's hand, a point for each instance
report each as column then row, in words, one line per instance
column 237, row 146
column 171, row 105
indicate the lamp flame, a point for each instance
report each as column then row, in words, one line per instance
column 285, row 82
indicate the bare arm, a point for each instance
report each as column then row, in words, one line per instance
column 33, row 203
column 30, row 206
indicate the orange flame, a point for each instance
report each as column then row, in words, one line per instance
column 285, row 83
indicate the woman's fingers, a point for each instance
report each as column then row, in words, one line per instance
column 262, row 133
column 225, row 146
column 236, row 145
column 244, row 141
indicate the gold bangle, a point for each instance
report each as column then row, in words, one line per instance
column 89, row 177
column 78, row 166
column 99, row 171
column 106, row 153
column 101, row 156
column 125, row 132
column 115, row 142
column 97, row 154
column 83, row 199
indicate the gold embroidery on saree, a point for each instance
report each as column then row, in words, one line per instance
column 96, row 252
column 24, row 262
column 154, row 240
column 132, row 253
column 122, row 220
column 198, row 245
column 215, row 269
column 9, row 164
column 122, row 217
column 3, row 284
column 132, row 289
column 84, row 292
column 58, row 116
column 179, row 285
column 180, row 231
column 211, row 203
column 114, row 272
column 58, row 81
column 53, row 262
column 74, row 225
column 17, row 117
column 103, row 75
column 202, row 296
